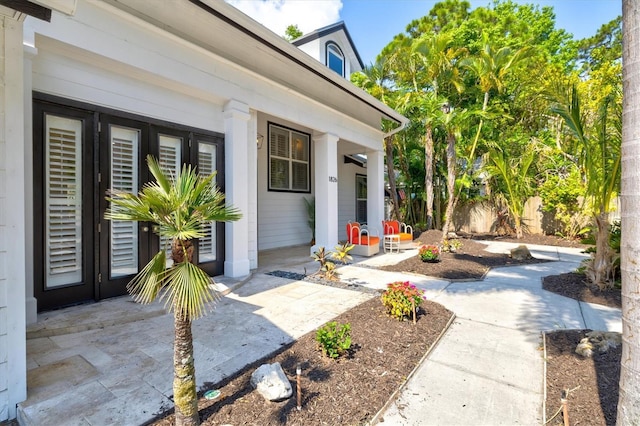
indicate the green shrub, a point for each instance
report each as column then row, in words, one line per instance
column 401, row 298
column 334, row 340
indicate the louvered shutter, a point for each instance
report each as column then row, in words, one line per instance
column 123, row 244
column 63, row 201
column 206, row 166
column 169, row 159
column 279, row 158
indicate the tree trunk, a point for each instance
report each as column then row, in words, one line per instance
column 428, row 174
column 629, row 400
column 184, row 373
column 599, row 270
column 451, row 184
column 388, row 147
column 185, row 397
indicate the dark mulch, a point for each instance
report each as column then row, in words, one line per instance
column 349, row 391
column 471, row 261
column 575, row 286
column 352, row 390
column 592, row 383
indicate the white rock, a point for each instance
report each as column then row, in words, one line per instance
column 271, row 382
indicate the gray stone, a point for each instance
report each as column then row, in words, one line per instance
column 271, row 382
column 521, row 253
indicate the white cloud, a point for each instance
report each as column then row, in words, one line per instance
column 277, row 15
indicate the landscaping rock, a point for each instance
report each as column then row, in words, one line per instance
column 601, row 340
column 271, row 382
column 521, row 253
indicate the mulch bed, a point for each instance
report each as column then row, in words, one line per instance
column 347, row 391
column 575, row 286
column 471, row 261
column 592, row 383
column 353, row 389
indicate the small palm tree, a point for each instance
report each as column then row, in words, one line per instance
column 182, row 208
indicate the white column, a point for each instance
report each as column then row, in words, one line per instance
column 236, row 143
column 326, row 190
column 13, row 353
column 31, row 303
column 375, row 190
column 252, row 189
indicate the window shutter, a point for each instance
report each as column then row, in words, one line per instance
column 279, row 142
column 207, row 166
column 123, row 247
column 63, row 201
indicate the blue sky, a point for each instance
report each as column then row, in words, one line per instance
column 373, row 23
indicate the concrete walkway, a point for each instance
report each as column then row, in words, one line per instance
column 110, row 362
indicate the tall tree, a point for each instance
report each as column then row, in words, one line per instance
column 599, row 141
column 629, row 400
column 375, row 80
column 182, row 208
column 292, row 32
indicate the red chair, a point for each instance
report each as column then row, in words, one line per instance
column 365, row 243
column 404, row 231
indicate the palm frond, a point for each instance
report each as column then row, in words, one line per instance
column 189, row 290
column 148, row 283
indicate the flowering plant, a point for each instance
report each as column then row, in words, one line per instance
column 429, row 253
column 401, row 299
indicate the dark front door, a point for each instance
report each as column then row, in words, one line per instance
column 80, row 155
column 63, row 206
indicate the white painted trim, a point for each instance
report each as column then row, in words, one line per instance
column 14, row 233
column 236, row 142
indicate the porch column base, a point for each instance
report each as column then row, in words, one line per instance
column 32, row 310
column 236, row 269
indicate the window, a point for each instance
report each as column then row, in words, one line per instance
column 288, row 160
column 361, row 199
column 335, row 58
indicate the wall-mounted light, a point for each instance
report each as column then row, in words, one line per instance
column 259, row 140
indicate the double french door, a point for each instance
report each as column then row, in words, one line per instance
column 79, row 155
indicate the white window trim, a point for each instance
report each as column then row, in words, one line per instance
column 336, row 51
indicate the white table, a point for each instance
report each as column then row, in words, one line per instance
column 391, row 243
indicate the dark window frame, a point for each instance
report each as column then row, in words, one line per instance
column 290, row 160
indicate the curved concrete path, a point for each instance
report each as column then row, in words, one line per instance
column 488, row 368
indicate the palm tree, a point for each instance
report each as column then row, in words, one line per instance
column 182, row 208
column 513, row 174
column 629, row 400
column 375, row 80
column 599, row 159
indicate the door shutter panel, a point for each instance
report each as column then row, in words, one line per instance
column 206, row 166
column 63, row 201
column 170, row 157
column 123, row 247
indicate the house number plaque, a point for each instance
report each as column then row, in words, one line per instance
column 333, row 179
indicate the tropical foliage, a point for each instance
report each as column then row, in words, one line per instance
column 503, row 106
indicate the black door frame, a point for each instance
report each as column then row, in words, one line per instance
column 96, row 119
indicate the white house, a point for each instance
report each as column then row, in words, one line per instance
column 89, row 88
